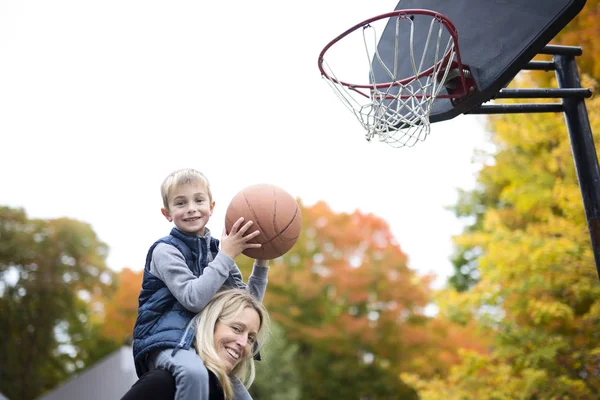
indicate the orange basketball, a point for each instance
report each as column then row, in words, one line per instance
column 274, row 212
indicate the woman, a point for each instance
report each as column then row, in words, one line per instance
column 228, row 329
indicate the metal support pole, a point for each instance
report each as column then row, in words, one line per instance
column 582, row 145
column 547, row 93
column 517, row 108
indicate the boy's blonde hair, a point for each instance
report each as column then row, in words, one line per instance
column 223, row 307
column 182, row 177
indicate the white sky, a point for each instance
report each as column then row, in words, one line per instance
column 100, row 100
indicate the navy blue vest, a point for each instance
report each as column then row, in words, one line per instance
column 162, row 322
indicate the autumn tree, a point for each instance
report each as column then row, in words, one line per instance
column 49, row 272
column 346, row 298
column 120, row 309
column 536, row 290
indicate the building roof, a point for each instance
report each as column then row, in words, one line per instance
column 109, row 379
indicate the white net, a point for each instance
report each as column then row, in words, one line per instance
column 392, row 108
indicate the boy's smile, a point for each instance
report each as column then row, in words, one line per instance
column 190, row 208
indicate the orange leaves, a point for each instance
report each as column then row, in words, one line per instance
column 346, row 286
column 120, row 310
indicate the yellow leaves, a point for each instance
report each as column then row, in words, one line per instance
column 584, row 31
column 546, row 312
column 595, row 353
column 481, row 377
column 486, row 377
column 594, row 311
column 458, row 307
column 493, row 221
column 538, row 289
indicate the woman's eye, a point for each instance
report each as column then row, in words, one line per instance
column 251, row 340
column 236, row 329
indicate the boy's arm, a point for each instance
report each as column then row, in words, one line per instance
column 194, row 293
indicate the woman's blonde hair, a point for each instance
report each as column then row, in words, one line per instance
column 226, row 306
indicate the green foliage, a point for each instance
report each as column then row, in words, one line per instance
column 49, row 272
column 466, row 271
column 333, row 376
column 277, row 375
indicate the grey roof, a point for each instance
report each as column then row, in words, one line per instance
column 109, row 379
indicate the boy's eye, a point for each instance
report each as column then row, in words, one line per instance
column 179, row 203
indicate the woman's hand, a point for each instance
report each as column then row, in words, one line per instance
column 261, row 263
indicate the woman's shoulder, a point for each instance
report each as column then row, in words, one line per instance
column 156, row 384
column 159, row 384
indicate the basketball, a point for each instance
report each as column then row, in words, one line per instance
column 274, row 212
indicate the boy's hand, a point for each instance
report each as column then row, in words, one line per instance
column 235, row 242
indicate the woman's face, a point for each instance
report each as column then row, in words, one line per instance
column 234, row 338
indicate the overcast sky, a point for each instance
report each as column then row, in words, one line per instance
column 100, row 100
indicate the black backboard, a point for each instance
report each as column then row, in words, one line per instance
column 496, row 39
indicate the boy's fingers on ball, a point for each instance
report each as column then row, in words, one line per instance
column 252, row 234
column 245, row 227
column 237, row 224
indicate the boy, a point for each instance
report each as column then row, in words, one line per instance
column 183, row 272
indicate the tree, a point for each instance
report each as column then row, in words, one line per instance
column 121, row 308
column 49, row 272
column 346, row 298
column 537, row 292
column 277, row 377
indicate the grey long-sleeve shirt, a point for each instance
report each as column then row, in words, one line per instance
column 194, row 293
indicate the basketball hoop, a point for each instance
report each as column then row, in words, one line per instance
column 395, row 108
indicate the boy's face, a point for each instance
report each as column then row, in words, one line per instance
column 190, row 208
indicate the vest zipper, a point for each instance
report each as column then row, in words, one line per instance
column 183, row 337
column 187, row 328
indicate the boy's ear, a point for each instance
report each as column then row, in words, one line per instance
column 167, row 214
column 212, row 207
